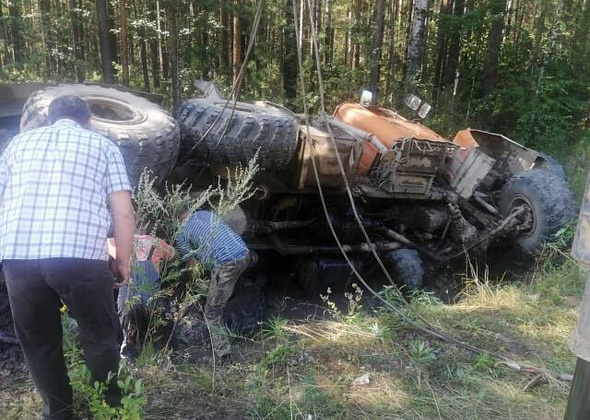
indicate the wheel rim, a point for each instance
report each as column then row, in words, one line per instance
column 518, row 201
column 110, row 110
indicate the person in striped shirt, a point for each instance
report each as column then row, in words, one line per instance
column 206, row 239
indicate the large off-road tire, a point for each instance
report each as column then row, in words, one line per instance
column 406, row 268
column 548, row 163
column 549, row 202
column 233, row 136
column 146, row 134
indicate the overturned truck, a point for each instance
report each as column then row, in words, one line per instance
column 386, row 184
column 416, row 197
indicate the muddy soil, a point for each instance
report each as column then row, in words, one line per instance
column 286, row 298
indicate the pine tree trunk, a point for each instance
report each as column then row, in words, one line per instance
column 490, row 65
column 329, row 34
column 391, row 52
column 106, row 56
column 450, row 70
column 173, row 51
column 78, row 41
column 4, row 39
column 539, row 28
column 124, row 42
column 356, row 33
column 50, row 67
column 442, row 42
column 290, row 54
column 347, row 52
column 143, row 49
column 155, row 63
column 416, row 42
column 377, row 47
column 163, row 64
column 224, row 40
column 16, row 32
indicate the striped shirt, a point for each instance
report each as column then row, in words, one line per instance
column 209, row 240
column 54, row 184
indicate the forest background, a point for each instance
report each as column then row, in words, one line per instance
column 518, row 67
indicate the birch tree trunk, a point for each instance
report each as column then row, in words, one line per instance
column 237, row 42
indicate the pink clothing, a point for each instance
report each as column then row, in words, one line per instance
column 142, row 245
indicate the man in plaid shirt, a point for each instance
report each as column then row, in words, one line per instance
column 57, row 184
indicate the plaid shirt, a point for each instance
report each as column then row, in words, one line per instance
column 209, row 240
column 54, row 183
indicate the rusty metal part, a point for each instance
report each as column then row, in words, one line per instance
column 466, row 170
column 478, row 197
column 429, row 219
column 412, row 167
column 511, row 157
column 461, row 231
column 481, row 217
column 508, row 223
column 291, row 249
column 402, row 239
column 268, row 226
column 319, row 146
column 387, row 126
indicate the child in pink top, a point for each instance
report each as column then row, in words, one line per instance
column 145, row 282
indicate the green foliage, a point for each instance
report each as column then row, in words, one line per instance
column 277, row 355
column 484, row 362
column 133, row 399
column 422, row 353
column 275, row 329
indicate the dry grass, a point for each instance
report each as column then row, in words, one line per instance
column 306, row 370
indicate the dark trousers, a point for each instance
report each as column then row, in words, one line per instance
column 578, row 406
column 35, row 288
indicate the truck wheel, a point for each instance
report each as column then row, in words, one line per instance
column 406, row 268
column 146, row 134
column 549, row 204
column 548, row 163
column 250, row 129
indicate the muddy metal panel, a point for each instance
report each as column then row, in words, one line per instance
column 411, row 166
column 349, row 149
column 511, row 157
column 467, row 169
